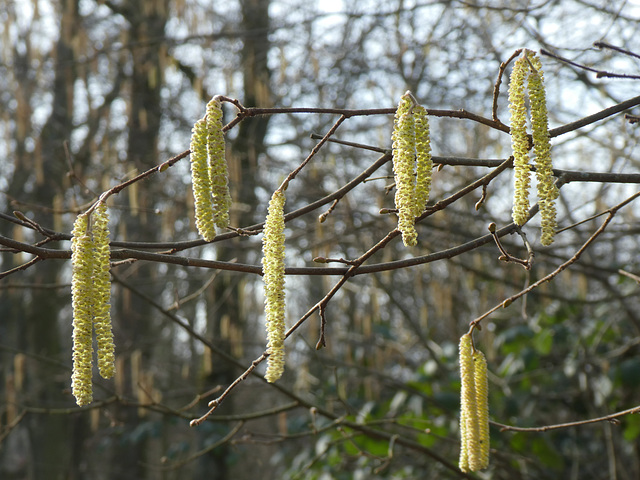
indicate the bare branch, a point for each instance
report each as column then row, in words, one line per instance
column 607, row 418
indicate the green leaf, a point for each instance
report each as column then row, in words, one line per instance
column 631, row 427
column 546, row 453
column 543, row 341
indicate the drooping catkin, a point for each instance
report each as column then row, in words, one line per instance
column 102, row 292
column 468, row 419
column 519, row 140
column 481, row 382
column 274, row 283
column 547, row 190
column 528, row 67
column 217, row 162
column 209, row 172
column 404, row 169
column 90, row 299
column 201, row 181
column 474, row 408
column 82, row 264
column 423, row 159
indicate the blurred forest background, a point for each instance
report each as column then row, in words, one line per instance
column 93, row 93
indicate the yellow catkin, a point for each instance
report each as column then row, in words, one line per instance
column 404, row 169
column 469, row 428
column 274, row 283
column 82, row 265
column 201, row 181
column 474, row 408
column 102, row 292
column 423, row 159
column 547, row 190
column 519, row 140
column 217, row 162
column 481, row 381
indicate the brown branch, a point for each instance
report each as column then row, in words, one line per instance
column 616, row 49
column 599, row 73
column 612, row 212
column 632, row 119
column 322, row 342
column 496, row 87
column 325, row 271
column 596, row 117
column 348, row 113
column 177, row 246
column 505, row 256
column 20, row 268
column 354, row 269
column 629, row 275
column 315, row 150
column 546, row 428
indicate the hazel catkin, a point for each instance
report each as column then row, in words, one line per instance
column 102, row 292
column 529, row 68
column 217, row 162
column 90, row 300
column 423, row 159
column 519, row 141
column 274, row 284
column 403, row 137
column 82, row 263
column 209, row 172
column 481, row 383
column 201, row 182
column 547, row 190
column 474, row 408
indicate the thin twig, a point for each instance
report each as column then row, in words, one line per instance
column 496, row 87
column 599, row 73
column 482, row 199
column 506, row 257
column 323, row 217
column 615, row 48
column 314, row 151
column 612, row 212
column 323, row 322
column 20, row 268
column 546, row 428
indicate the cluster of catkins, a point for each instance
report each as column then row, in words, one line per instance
column 411, row 165
column 474, row 407
column 91, row 281
column 90, row 298
column 528, row 68
column 209, row 172
column 209, row 177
